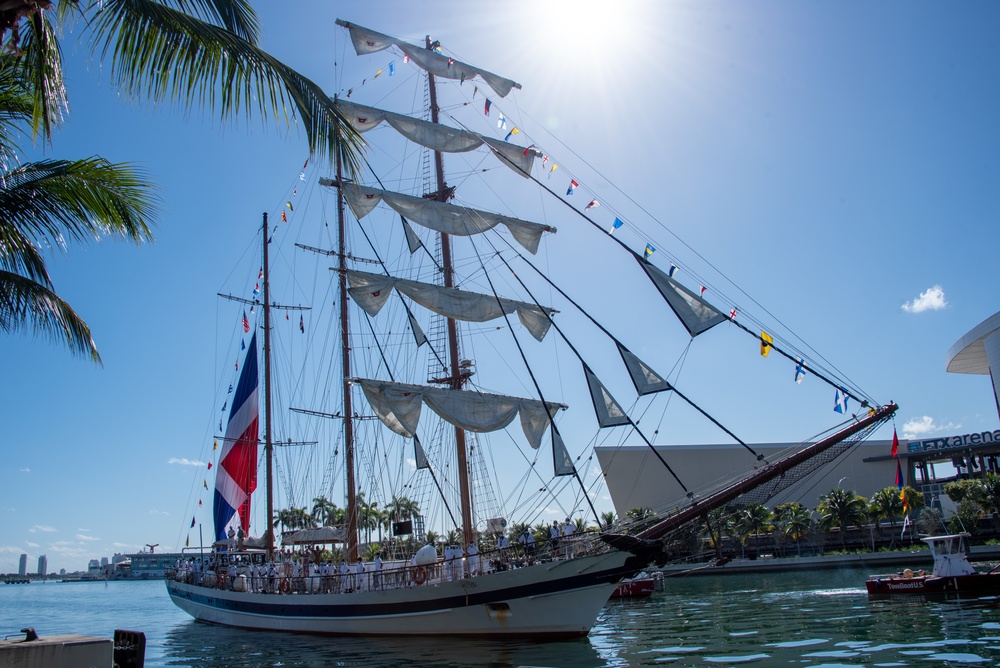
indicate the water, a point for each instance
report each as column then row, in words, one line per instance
column 820, row 620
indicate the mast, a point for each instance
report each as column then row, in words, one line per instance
column 268, row 446
column 352, row 506
column 456, row 379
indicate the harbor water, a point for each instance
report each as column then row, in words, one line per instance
column 817, row 619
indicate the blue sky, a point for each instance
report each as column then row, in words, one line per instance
column 837, row 162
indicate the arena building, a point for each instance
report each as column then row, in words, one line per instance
column 636, row 477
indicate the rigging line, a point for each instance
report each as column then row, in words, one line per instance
column 588, row 369
column 681, row 241
column 388, row 369
column 864, row 402
column 382, row 185
column 640, row 259
column 403, row 301
column 531, row 373
column 620, row 344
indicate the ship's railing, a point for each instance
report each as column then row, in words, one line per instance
column 280, row 578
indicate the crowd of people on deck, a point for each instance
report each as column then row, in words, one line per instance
column 310, row 570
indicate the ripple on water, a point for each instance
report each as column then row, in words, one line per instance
column 739, row 634
column 746, row 658
column 838, row 654
column 954, row 657
column 672, row 650
column 798, row 643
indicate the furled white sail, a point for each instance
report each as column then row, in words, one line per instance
column 440, row 216
column 370, row 292
column 368, row 41
column 438, row 137
column 398, row 406
column 696, row 314
column 646, row 380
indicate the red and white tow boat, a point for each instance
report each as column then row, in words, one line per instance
column 952, row 572
column 640, row 586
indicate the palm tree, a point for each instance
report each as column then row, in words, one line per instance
column 43, row 204
column 640, row 518
column 608, row 518
column 991, row 493
column 886, row 504
column 402, row 508
column 327, row 513
column 202, row 53
column 842, row 508
column 432, row 537
column 794, row 520
column 191, row 53
column 752, row 520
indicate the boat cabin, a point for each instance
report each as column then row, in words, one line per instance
column 949, row 554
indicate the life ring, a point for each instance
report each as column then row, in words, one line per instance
column 285, row 586
column 420, row 575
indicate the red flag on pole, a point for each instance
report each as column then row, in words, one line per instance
column 895, row 444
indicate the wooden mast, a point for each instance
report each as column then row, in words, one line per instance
column 456, row 379
column 352, row 505
column 268, row 446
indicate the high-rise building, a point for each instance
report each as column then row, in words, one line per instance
column 43, row 565
column 22, row 568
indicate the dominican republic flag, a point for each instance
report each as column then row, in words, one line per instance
column 236, row 475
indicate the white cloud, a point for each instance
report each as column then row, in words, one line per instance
column 154, row 511
column 25, row 470
column 931, row 299
column 184, row 461
column 917, row 428
column 30, row 544
column 10, row 549
column 83, row 536
column 41, row 527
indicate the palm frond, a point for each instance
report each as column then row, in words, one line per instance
column 20, row 255
column 161, row 54
column 236, row 16
column 29, row 306
column 41, row 63
column 16, row 107
column 53, row 200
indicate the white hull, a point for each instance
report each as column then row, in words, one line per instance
column 559, row 598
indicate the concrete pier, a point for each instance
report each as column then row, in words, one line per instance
column 59, row 651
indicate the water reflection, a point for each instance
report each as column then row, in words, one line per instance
column 820, row 620
column 198, row 644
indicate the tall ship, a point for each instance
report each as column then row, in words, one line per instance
column 434, row 404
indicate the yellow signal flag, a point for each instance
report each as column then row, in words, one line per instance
column 765, row 343
column 215, row 444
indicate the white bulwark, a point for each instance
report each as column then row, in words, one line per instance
column 636, row 478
